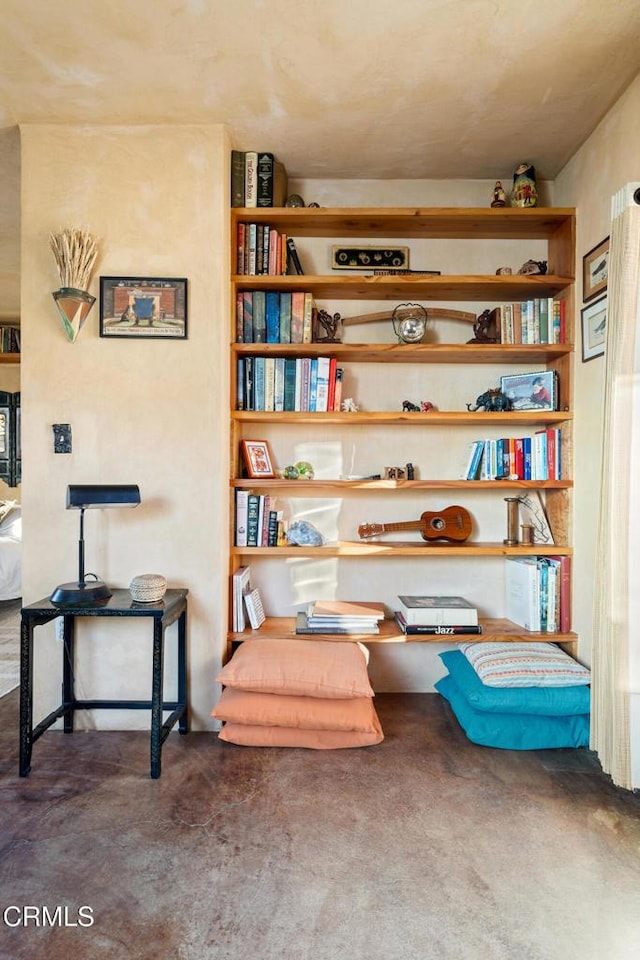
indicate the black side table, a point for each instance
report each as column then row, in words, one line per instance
column 163, row 613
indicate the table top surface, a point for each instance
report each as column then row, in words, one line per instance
column 120, row 604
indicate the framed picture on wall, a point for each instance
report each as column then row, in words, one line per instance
column 595, row 271
column 594, row 329
column 143, row 308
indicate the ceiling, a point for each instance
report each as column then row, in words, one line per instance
column 336, row 88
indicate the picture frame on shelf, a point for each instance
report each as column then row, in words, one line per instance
column 595, row 271
column 594, row 329
column 143, row 308
column 531, row 391
column 257, row 459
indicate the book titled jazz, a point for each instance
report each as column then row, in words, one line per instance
column 435, row 630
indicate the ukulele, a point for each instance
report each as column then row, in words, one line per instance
column 452, row 523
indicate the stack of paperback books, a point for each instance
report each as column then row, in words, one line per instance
column 340, row 617
column 436, row 615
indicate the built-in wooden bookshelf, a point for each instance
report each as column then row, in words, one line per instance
column 554, row 226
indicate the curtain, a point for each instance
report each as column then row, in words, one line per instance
column 616, row 641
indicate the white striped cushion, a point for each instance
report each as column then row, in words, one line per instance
column 524, row 665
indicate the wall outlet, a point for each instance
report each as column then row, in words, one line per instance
column 62, row 438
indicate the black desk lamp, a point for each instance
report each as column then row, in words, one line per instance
column 89, row 496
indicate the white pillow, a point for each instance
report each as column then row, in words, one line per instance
column 524, row 665
column 11, row 522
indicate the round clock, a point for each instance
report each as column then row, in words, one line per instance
column 409, row 322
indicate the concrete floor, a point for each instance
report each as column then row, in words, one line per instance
column 424, row 847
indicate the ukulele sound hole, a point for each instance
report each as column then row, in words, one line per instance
column 438, row 523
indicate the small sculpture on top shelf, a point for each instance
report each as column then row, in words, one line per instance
column 498, row 197
column 491, row 401
column 349, row 405
column 525, row 193
column 330, row 326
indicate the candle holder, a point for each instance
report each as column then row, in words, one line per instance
column 511, row 540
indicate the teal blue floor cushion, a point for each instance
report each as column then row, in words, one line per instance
column 512, row 730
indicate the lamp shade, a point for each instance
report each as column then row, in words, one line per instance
column 85, row 496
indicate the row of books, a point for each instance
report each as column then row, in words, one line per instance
column 279, row 384
column 257, row 179
column 273, row 317
column 537, row 457
column 262, row 251
column 340, row 617
column 537, row 593
column 541, row 320
column 258, row 523
column 9, row 339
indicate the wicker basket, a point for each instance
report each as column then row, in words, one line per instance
column 148, row 587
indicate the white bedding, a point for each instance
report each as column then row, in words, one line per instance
column 11, row 556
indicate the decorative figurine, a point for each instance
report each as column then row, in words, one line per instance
column 394, row 473
column 301, row 533
column 491, row 401
column 530, row 267
column 524, row 193
column 330, row 326
column 408, row 407
column 349, row 405
column 504, row 272
column 426, row 405
column 295, row 200
column 301, row 470
column 486, row 327
column 499, row 197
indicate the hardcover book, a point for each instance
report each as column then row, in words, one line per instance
column 251, row 179
column 436, row 630
column 438, row 611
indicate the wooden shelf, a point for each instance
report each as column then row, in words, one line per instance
column 10, row 358
column 393, row 417
column 494, row 629
column 369, row 549
column 411, row 353
column 305, row 488
column 460, row 288
column 443, row 223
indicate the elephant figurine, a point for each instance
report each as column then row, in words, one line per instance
column 491, row 401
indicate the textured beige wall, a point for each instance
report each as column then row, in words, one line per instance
column 152, row 413
column 605, row 163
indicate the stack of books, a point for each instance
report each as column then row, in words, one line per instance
column 340, row 617
column 537, row 593
column 447, row 616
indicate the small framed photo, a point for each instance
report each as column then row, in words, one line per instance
column 595, row 271
column 257, row 459
column 143, row 308
column 594, row 329
column 531, row 391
